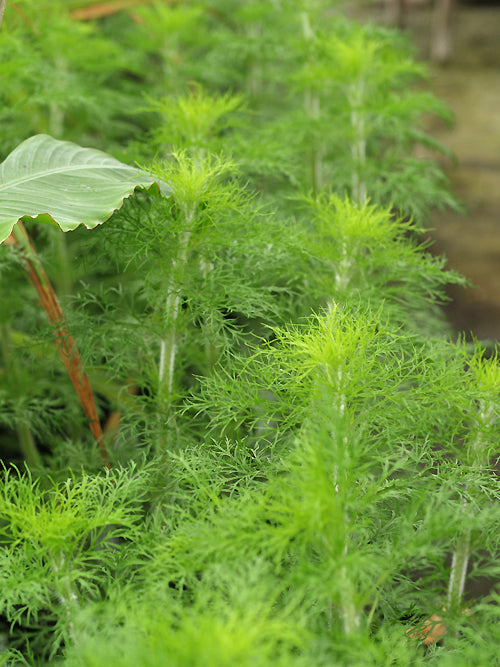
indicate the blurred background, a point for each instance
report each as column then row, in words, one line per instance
column 464, row 60
column 467, row 78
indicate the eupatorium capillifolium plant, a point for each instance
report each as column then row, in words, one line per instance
column 302, row 462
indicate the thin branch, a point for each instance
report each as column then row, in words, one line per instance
column 25, row 18
column 98, row 10
column 66, row 345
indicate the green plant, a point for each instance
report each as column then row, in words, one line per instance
column 48, row 179
column 59, row 545
column 301, row 460
column 364, row 116
column 63, row 77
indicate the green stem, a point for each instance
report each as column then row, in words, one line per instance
column 343, row 272
column 67, row 597
column 28, row 446
column 168, row 344
column 56, row 114
column 316, row 166
column 461, row 552
column 350, row 614
column 64, row 277
column 458, row 572
column 168, row 351
column 211, row 350
column 358, row 146
column 348, row 608
column 255, row 77
column 312, row 108
column 349, row 611
column 342, row 276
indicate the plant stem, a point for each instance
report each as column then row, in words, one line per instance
column 28, row 446
column 460, row 559
column 25, row 19
column 168, row 350
column 255, row 77
column 350, row 614
column 458, row 572
column 64, row 274
column 56, row 114
column 312, row 108
column 358, row 146
column 67, row 597
column 66, row 345
column 168, row 344
column 211, row 350
column 348, row 610
column 342, row 276
column 343, row 272
column 312, row 104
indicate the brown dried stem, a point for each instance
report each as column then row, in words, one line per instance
column 66, row 345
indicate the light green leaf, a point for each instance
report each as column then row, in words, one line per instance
column 64, row 184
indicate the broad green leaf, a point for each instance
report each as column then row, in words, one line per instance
column 64, row 184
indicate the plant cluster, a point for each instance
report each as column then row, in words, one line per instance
column 290, row 461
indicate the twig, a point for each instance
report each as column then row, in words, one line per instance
column 26, row 19
column 66, row 345
column 101, row 9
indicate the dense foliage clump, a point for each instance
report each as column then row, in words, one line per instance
column 290, row 460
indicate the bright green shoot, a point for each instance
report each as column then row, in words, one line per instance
column 195, row 121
